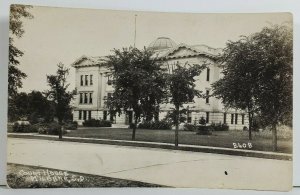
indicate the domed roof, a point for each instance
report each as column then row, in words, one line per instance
column 162, row 43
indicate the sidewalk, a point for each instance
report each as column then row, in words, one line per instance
column 184, row 147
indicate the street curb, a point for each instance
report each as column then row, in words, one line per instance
column 183, row 147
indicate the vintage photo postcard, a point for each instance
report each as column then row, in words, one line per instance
column 105, row 98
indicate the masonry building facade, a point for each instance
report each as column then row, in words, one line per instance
column 94, row 85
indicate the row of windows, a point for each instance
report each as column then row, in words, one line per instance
column 85, row 115
column 86, row 80
column 85, row 98
column 234, row 118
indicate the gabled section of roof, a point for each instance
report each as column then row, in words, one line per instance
column 89, row 61
column 183, row 50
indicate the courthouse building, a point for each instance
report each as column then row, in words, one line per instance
column 94, row 85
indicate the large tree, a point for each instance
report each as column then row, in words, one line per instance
column 258, row 76
column 139, row 83
column 32, row 106
column 15, row 75
column 59, row 93
column 181, row 84
column 274, row 55
column 237, row 88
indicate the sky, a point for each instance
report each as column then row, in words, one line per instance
column 65, row 34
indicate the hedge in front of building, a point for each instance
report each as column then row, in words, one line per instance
column 96, row 123
column 163, row 124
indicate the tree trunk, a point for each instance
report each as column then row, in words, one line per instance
column 176, row 123
column 274, row 138
column 134, row 129
column 250, row 125
column 60, row 132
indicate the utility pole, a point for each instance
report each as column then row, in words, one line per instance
column 134, row 30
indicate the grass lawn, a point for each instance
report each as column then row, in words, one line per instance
column 261, row 140
column 21, row 176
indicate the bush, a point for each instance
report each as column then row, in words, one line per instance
column 53, row 128
column 204, row 130
column 71, row 125
column 50, row 129
column 190, row 127
column 164, row 124
column 24, row 127
column 219, row 127
column 96, row 123
column 21, row 128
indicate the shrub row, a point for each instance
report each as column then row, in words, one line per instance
column 52, row 128
column 71, row 125
column 96, row 123
column 190, row 127
column 24, row 128
column 219, row 127
column 164, row 124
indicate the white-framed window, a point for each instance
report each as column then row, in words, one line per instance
column 91, row 79
column 110, row 80
column 207, row 74
column 86, row 80
column 85, row 97
column 91, row 98
column 81, row 80
column 207, row 97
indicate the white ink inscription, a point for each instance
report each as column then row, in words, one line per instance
column 242, row 145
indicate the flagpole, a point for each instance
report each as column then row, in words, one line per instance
column 134, row 30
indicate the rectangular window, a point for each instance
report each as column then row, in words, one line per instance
column 109, row 80
column 81, row 80
column 236, row 118
column 80, row 98
column 84, row 115
column 207, row 74
column 105, row 115
column 80, row 115
column 225, row 118
column 86, row 80
column 189, row 117
column 85, row 98
column 243, row 119
column 207, row 97
column 91, row 98
column 232, row 118
column 91, row 79
column 207, row 117
column 90, row 115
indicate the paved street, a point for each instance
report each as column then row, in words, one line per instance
column 158, row 166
